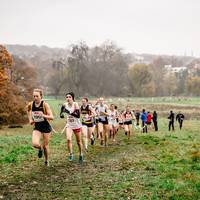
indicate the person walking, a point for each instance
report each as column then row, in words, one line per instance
column 180, row 117
column 155, row 120
column 144, row 121
column 171, row 120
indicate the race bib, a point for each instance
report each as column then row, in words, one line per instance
column 36, row 115
column 71, row 119
column 128, row 116
column 86, row 118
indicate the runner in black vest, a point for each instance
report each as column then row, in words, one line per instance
column 87, row 115
column 39, row 113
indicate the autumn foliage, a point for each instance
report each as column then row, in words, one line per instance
column 12, row 103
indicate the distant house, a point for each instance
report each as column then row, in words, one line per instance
column 173, row 70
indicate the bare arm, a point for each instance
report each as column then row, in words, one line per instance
column 49, row 115
column 29, row 113
column 93, row 113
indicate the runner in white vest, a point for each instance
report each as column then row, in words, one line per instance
column 73, row 124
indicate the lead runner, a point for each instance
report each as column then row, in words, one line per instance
column 39, row 114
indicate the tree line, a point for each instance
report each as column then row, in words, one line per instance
column 106, row 71
column 102, row 70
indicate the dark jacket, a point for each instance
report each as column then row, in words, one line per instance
column 171, row 117
column 155, row 116
column 180, row 117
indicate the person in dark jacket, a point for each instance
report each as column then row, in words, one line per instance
column 180, row 117
column 137, row 116
column 171, row 120
column 144, row 121
column 155, row 120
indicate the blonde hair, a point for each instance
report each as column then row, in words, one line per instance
column 38, row 90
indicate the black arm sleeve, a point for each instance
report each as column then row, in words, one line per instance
column 76, row 113
column 61, row 111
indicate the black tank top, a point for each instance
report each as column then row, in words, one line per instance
column 86, row 111
column 35, row 109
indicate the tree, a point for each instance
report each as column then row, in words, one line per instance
column 12, row 109
column 170, row 85
column 24, row 76
column 58, row 77
column 193, row 85
column 78, row 62
column 108, row 69
column 158, row 77
column 139, row 77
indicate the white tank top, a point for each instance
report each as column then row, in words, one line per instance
column 101, row 109
column 112, row 116
column 72, row 122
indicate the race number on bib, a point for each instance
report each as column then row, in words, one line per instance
column 86, row 118
column 71, row 119
column 36, row 115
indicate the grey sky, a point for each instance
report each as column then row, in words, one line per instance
column 142, row 26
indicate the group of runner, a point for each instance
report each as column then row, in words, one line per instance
column 87, row 122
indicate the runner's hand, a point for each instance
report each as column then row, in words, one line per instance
column 62, row 115
column 41, row 114
column 67, row 111
column 31, row 122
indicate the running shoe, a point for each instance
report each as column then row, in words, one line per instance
column 40, row 153
column 46, row 163
column 92, row 140
column 71, row 157
column 81, row 159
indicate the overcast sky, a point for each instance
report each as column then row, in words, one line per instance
column 141, row 26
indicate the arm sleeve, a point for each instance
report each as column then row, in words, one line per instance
column 76, row 113
column 62, row 111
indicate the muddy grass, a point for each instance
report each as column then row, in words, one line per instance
column 159, row 165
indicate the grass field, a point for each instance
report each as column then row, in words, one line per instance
column 157, row 165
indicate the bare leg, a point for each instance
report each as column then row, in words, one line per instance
column 69, row 139
column 46, row 137
column 78, row 140
column 85, row 136
column 36, row 139
column 105, row 131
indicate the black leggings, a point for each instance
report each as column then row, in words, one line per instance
column 171, row 124
column 155, row 125
column 180, row 124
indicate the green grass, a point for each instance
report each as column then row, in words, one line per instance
column 153, row 166
column 157, row 165
column 140, row 100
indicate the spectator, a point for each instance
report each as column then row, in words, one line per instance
column 180, row 117
column 171, row 120
column 155, row 122
column 149, row 117
column 144, row 121
column 137, row 117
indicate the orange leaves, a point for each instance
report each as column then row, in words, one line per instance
column 5, row 58
column 12, row 109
